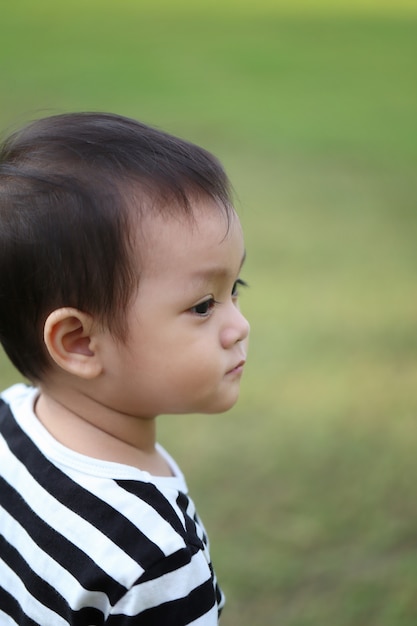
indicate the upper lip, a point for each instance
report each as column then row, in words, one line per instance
column 239, row 364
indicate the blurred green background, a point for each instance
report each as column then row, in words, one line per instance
column 308, row 486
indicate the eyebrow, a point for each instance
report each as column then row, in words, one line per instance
column 217, row 272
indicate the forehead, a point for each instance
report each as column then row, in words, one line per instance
column 207, row 239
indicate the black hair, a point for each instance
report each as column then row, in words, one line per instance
column 66, row 189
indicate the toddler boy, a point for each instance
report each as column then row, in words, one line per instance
column 120, row 258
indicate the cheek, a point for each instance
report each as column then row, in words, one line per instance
column 180, row 357
column 193, row 369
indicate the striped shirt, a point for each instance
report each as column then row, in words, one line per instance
column 87, row 542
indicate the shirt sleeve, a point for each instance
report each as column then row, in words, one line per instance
column 179, row 590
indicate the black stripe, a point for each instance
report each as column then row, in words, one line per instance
column 36, row 586
column 11, row 607
column 199, row 524
column 101, row 515
column 57, row 546
column 219, row 597
column 149, row 493
column 42, row 591
column 183, row 503
column 176, row 613
column 169, row 564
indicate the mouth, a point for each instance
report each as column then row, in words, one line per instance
column 238, row 369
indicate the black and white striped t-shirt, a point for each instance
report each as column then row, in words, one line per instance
column 87, row 542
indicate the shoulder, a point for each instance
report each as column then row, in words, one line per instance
column 16, row 395
column 180, row 586
column 136, row 544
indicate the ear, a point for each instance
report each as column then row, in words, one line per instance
column 68, row 336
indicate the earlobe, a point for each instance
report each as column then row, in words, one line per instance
column 68, row 339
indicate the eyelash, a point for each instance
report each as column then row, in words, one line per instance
column 238, row 283
column 204, row 308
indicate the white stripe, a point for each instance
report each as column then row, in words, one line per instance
column 208, row 619
column 169, row 587
column 142, row 515
column 6, row 620
column 49, row 570
column 31, row 607
column 77, row 530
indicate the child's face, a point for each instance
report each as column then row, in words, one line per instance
column 187, row 339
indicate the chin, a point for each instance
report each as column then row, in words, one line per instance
column 220, row 405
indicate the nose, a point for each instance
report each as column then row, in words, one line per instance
column 235, row 329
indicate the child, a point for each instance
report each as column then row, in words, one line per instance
column 120, row 257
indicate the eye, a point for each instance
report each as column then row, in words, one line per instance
column 237, row 284
column 204, row 308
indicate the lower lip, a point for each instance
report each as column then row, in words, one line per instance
column 237, row 371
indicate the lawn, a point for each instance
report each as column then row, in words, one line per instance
column 308, row 485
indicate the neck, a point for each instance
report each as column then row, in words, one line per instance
column 82, row 424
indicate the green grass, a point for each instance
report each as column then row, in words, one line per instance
column 307, row 486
